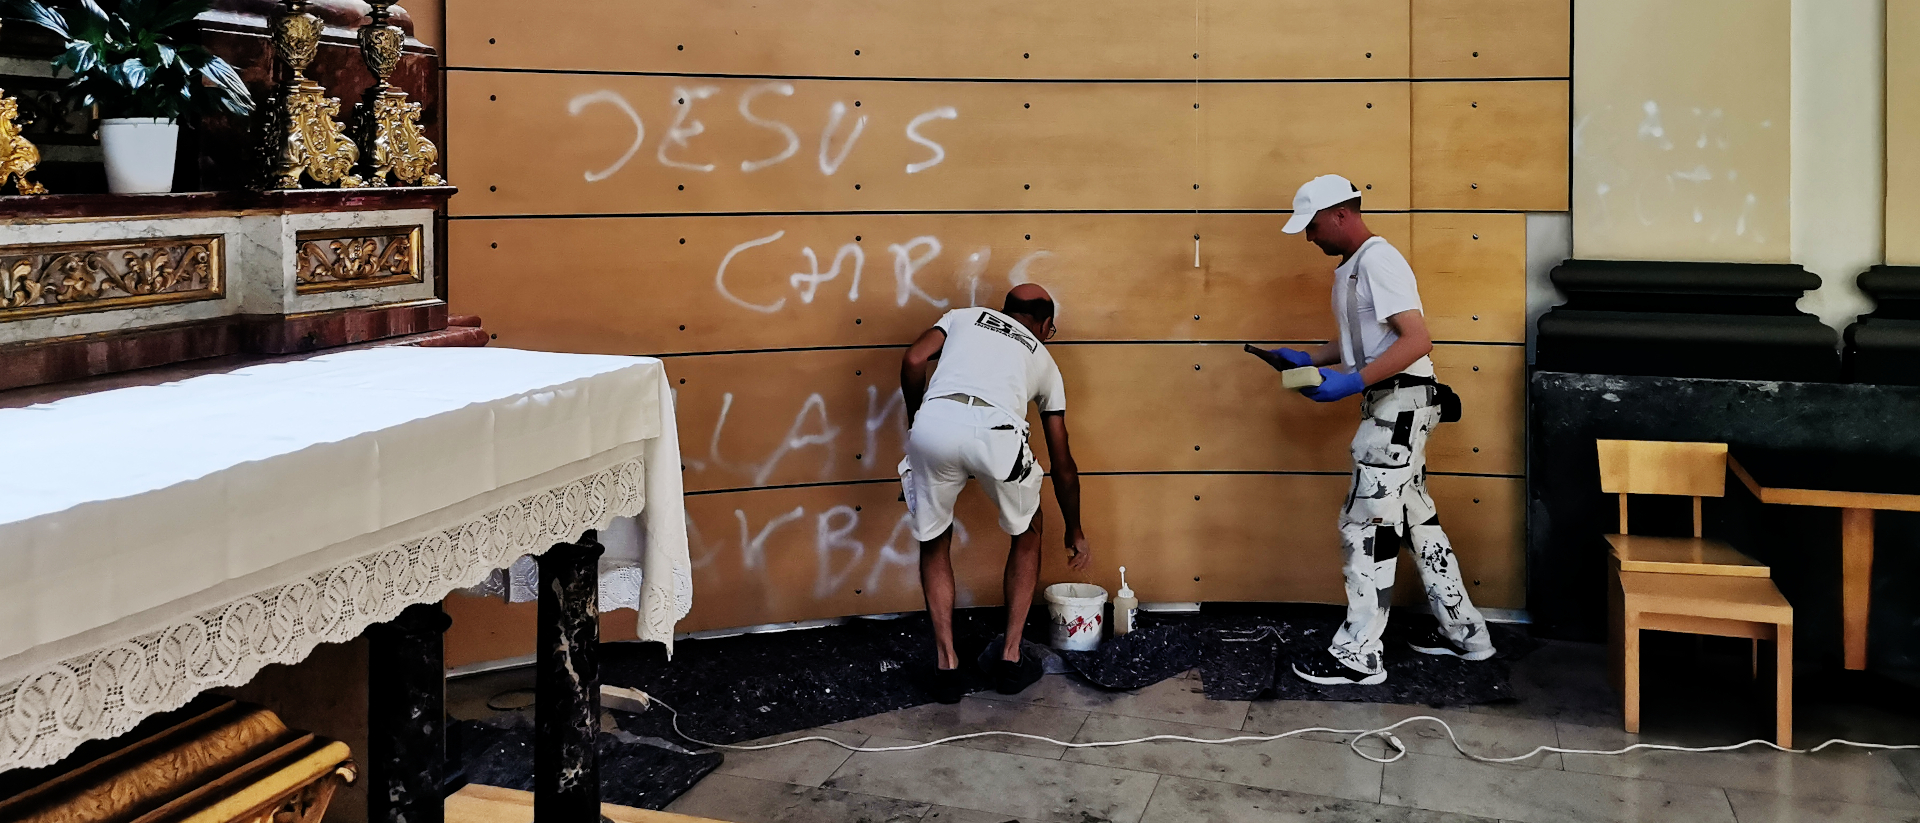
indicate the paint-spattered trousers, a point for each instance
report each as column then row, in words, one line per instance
column 1389, row 501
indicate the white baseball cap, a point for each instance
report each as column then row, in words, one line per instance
column 1321, row 192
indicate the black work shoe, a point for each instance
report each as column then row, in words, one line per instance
column 1011, row 677
column 1431, row 641
column 1324, row 669
column 949, row 685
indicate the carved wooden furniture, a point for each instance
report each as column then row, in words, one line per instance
column 1857, row 485
column 92, row 284
column 1689, row 585
column 222, row 762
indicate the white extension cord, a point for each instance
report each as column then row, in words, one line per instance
column 1385, row 733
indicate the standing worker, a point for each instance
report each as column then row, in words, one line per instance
column 1381, row 355
column 973, row 423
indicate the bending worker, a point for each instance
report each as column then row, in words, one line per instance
column 973, row 423
column 1381, row 355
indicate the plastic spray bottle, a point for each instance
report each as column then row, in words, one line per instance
column 1125, row 607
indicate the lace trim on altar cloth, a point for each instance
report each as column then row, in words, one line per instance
column 520, row 583
column 106, row 691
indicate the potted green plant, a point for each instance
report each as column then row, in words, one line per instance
column 128, row 63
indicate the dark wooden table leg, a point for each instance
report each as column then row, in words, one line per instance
column 566, row 714
column 1856, row 586
column 406, row 717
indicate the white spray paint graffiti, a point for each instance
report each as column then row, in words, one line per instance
column 685, row 127
column 809, row 282
column 793, row 140
column 913, row 133
column 580, row 103
column 906, row 265
column 840, row 558
column 971, row 270
column 910, row 259
column 834, row 115
column 720, row 277
column 838, row 555
column 753, row 551
column 681, row 131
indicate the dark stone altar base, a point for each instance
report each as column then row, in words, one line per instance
column 1568, row 513
column 633, row 771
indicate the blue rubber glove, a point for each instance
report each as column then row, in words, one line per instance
column 1336, row 385
column 1294, row 356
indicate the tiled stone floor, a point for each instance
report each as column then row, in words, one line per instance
column 1564, row 701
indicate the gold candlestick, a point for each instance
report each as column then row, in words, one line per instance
column 386, row 123
column 302, row 136
column 18, row 155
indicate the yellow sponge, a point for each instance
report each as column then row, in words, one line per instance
column 1304, row 377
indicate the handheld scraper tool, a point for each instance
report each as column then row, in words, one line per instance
column 1291, row 376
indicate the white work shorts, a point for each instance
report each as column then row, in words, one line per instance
column 952, row 441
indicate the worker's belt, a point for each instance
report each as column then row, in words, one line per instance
column 1443, row 394
column 967, row 399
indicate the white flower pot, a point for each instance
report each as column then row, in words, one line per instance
column 139, row 153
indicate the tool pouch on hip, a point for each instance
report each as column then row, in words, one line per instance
column 1449, row 402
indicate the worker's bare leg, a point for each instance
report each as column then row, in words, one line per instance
column 936, row 581
column 1023, row 572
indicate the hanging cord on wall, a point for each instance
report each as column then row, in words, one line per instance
column 1385, row 733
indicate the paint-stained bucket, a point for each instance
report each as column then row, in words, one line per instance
column 1076, row 610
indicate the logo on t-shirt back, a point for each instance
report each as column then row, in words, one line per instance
column 994, row 323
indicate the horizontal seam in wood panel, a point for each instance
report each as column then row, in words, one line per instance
column 1231, row 342
column 639, row 215
column 899, row 79
column 1192, row 473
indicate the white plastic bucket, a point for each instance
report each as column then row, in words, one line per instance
column 1077, row 612
column 139, row 153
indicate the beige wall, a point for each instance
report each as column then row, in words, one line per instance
column 1903, row 132
column 1681, row 136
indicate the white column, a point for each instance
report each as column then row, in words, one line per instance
column 1839, row 149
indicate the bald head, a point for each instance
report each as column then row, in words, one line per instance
column 1033, row 307
column 1029, row 291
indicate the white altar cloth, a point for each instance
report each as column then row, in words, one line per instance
column 159, row 541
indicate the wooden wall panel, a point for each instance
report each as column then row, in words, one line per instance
column 1260, row 141
column 569, row 144
column 1114, row 276
column 1491, row 146
column 1273, row 537
column 1492, row 38
column 1146, row 408
column 1472, row 271
column 785, row 418
column 1067, row 39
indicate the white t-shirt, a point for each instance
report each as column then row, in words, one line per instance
column 991, row 356
column 1384, row 287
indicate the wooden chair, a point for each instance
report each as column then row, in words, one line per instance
column 1689, row 585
